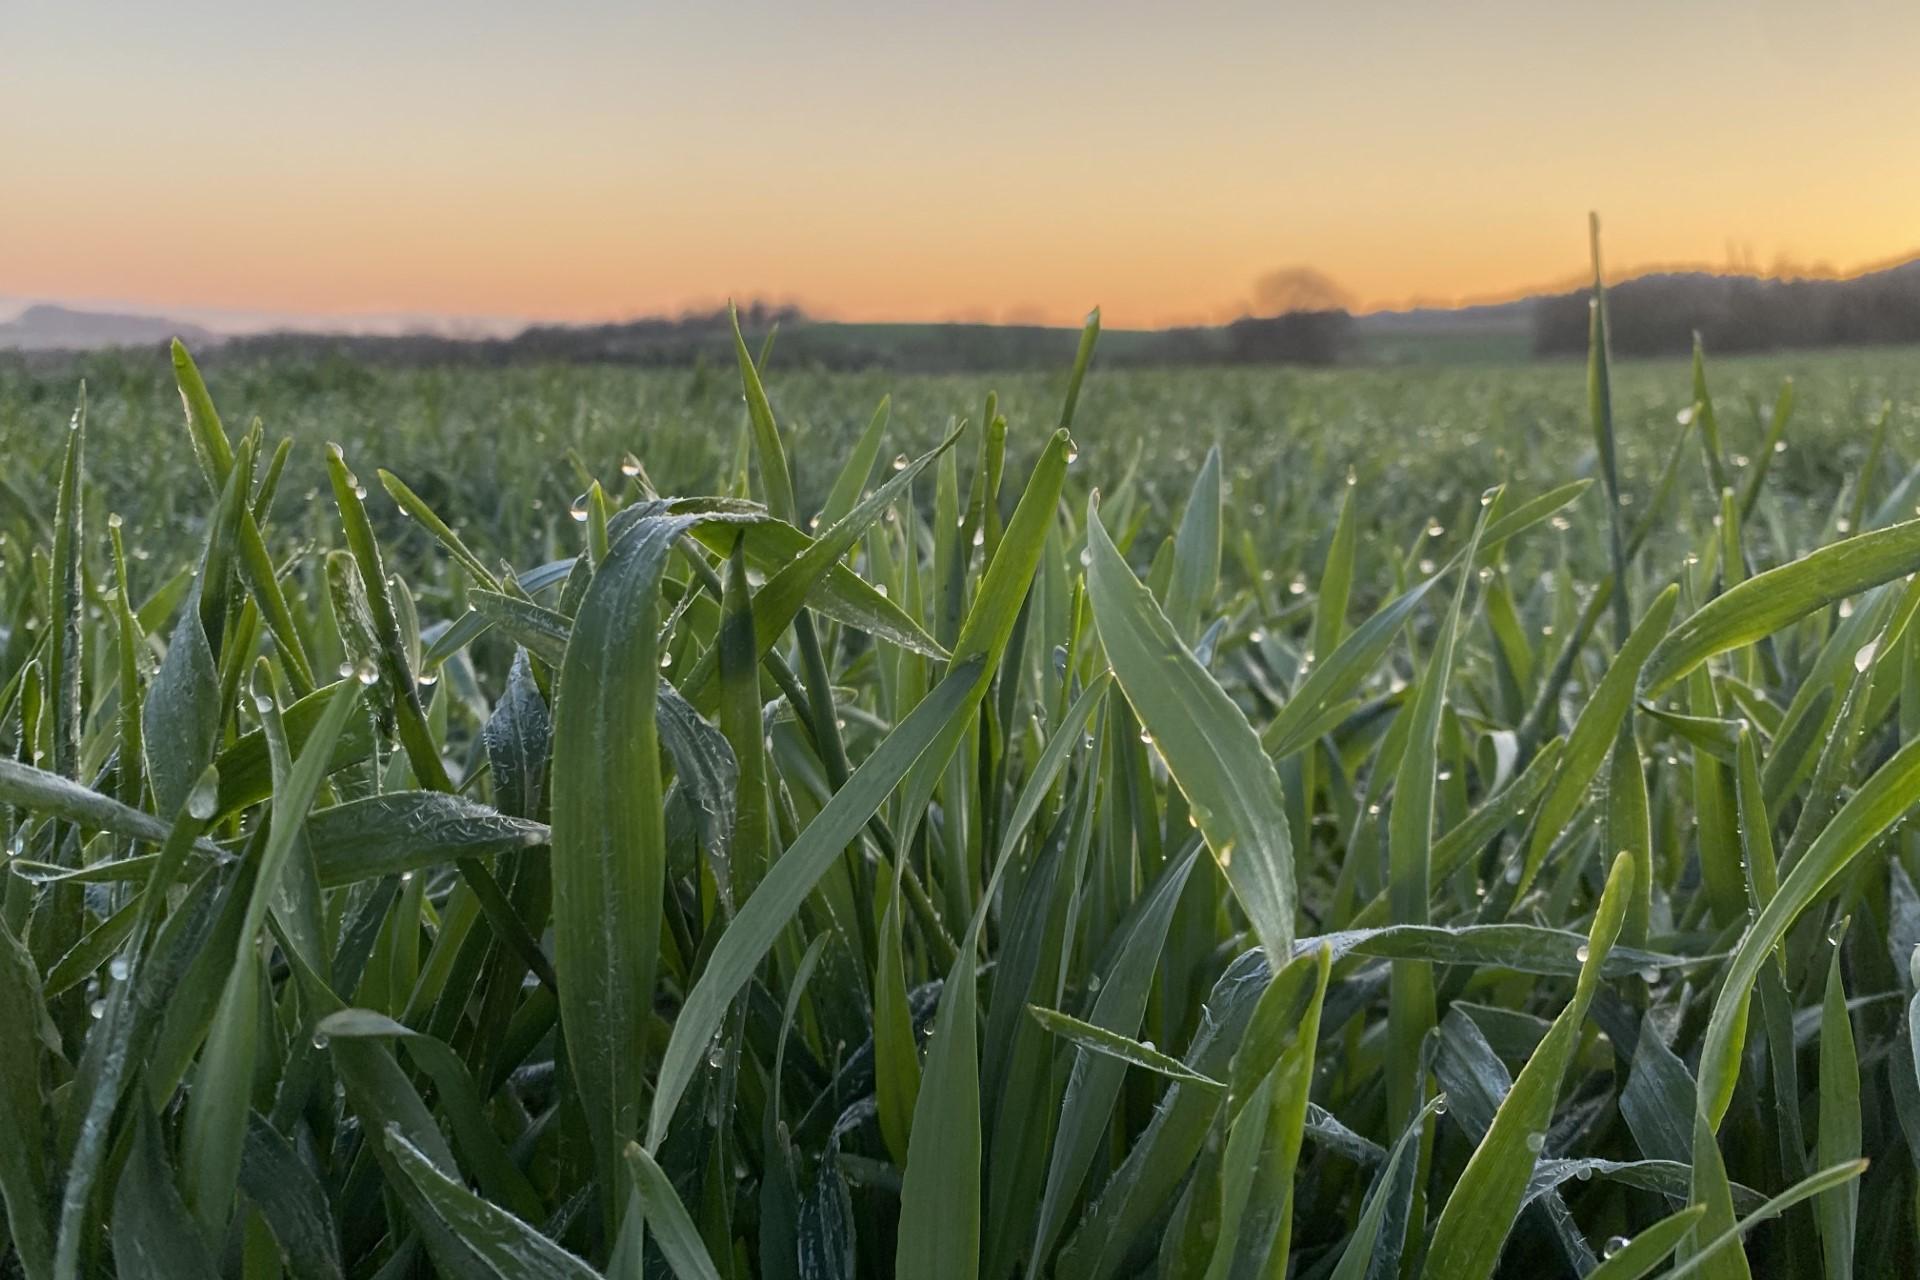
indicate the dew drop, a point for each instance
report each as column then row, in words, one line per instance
column 97, row 1010
column 1536, row 1142
column 205, row 796
column 1583, row 953
column 1297, row 587
column 427, row 678
column 629, row 465
column 578, row 510
column 320, row 1040
column 1613, row 1245
column 114, row 521
column 1863, row 657
column 1146, row 737
column 899, row 462
column 1440, row 1104
column 365, row 672
column 346, row 669
column 118, row 968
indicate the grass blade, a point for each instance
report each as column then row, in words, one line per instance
column 1479, row 1213
column 26, row 1033
column 1766, row 602
column 673, row 1230
column 1210, row 749
column 481, row 1239
column 1839, row 1138
column 754, row 930
column 1876, row 805
column 609, row 841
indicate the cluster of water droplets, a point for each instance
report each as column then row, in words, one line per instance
column 364, row 671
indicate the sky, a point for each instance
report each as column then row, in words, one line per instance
column 488, row 162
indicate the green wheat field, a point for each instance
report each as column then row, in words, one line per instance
column 732, row 823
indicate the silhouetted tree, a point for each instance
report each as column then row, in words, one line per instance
column 1298, row 289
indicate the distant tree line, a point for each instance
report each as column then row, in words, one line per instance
column 1659, row 314
column 1303, row 337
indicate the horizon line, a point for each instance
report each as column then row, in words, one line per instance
column 376, row 321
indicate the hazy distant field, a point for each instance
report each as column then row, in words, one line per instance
column 491, row 447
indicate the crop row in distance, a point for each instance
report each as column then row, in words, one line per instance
column 740, row 893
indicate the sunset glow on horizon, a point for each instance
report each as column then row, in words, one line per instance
column 593, row 161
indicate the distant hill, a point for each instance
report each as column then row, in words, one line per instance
column 1653, row 314
column 1487, row 317
column 1658, row 314
column 46, row 327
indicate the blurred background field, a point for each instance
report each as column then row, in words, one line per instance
column 503, row 451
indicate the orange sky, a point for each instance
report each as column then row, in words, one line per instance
column 595, row 160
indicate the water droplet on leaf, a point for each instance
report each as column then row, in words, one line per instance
column 205, row 796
